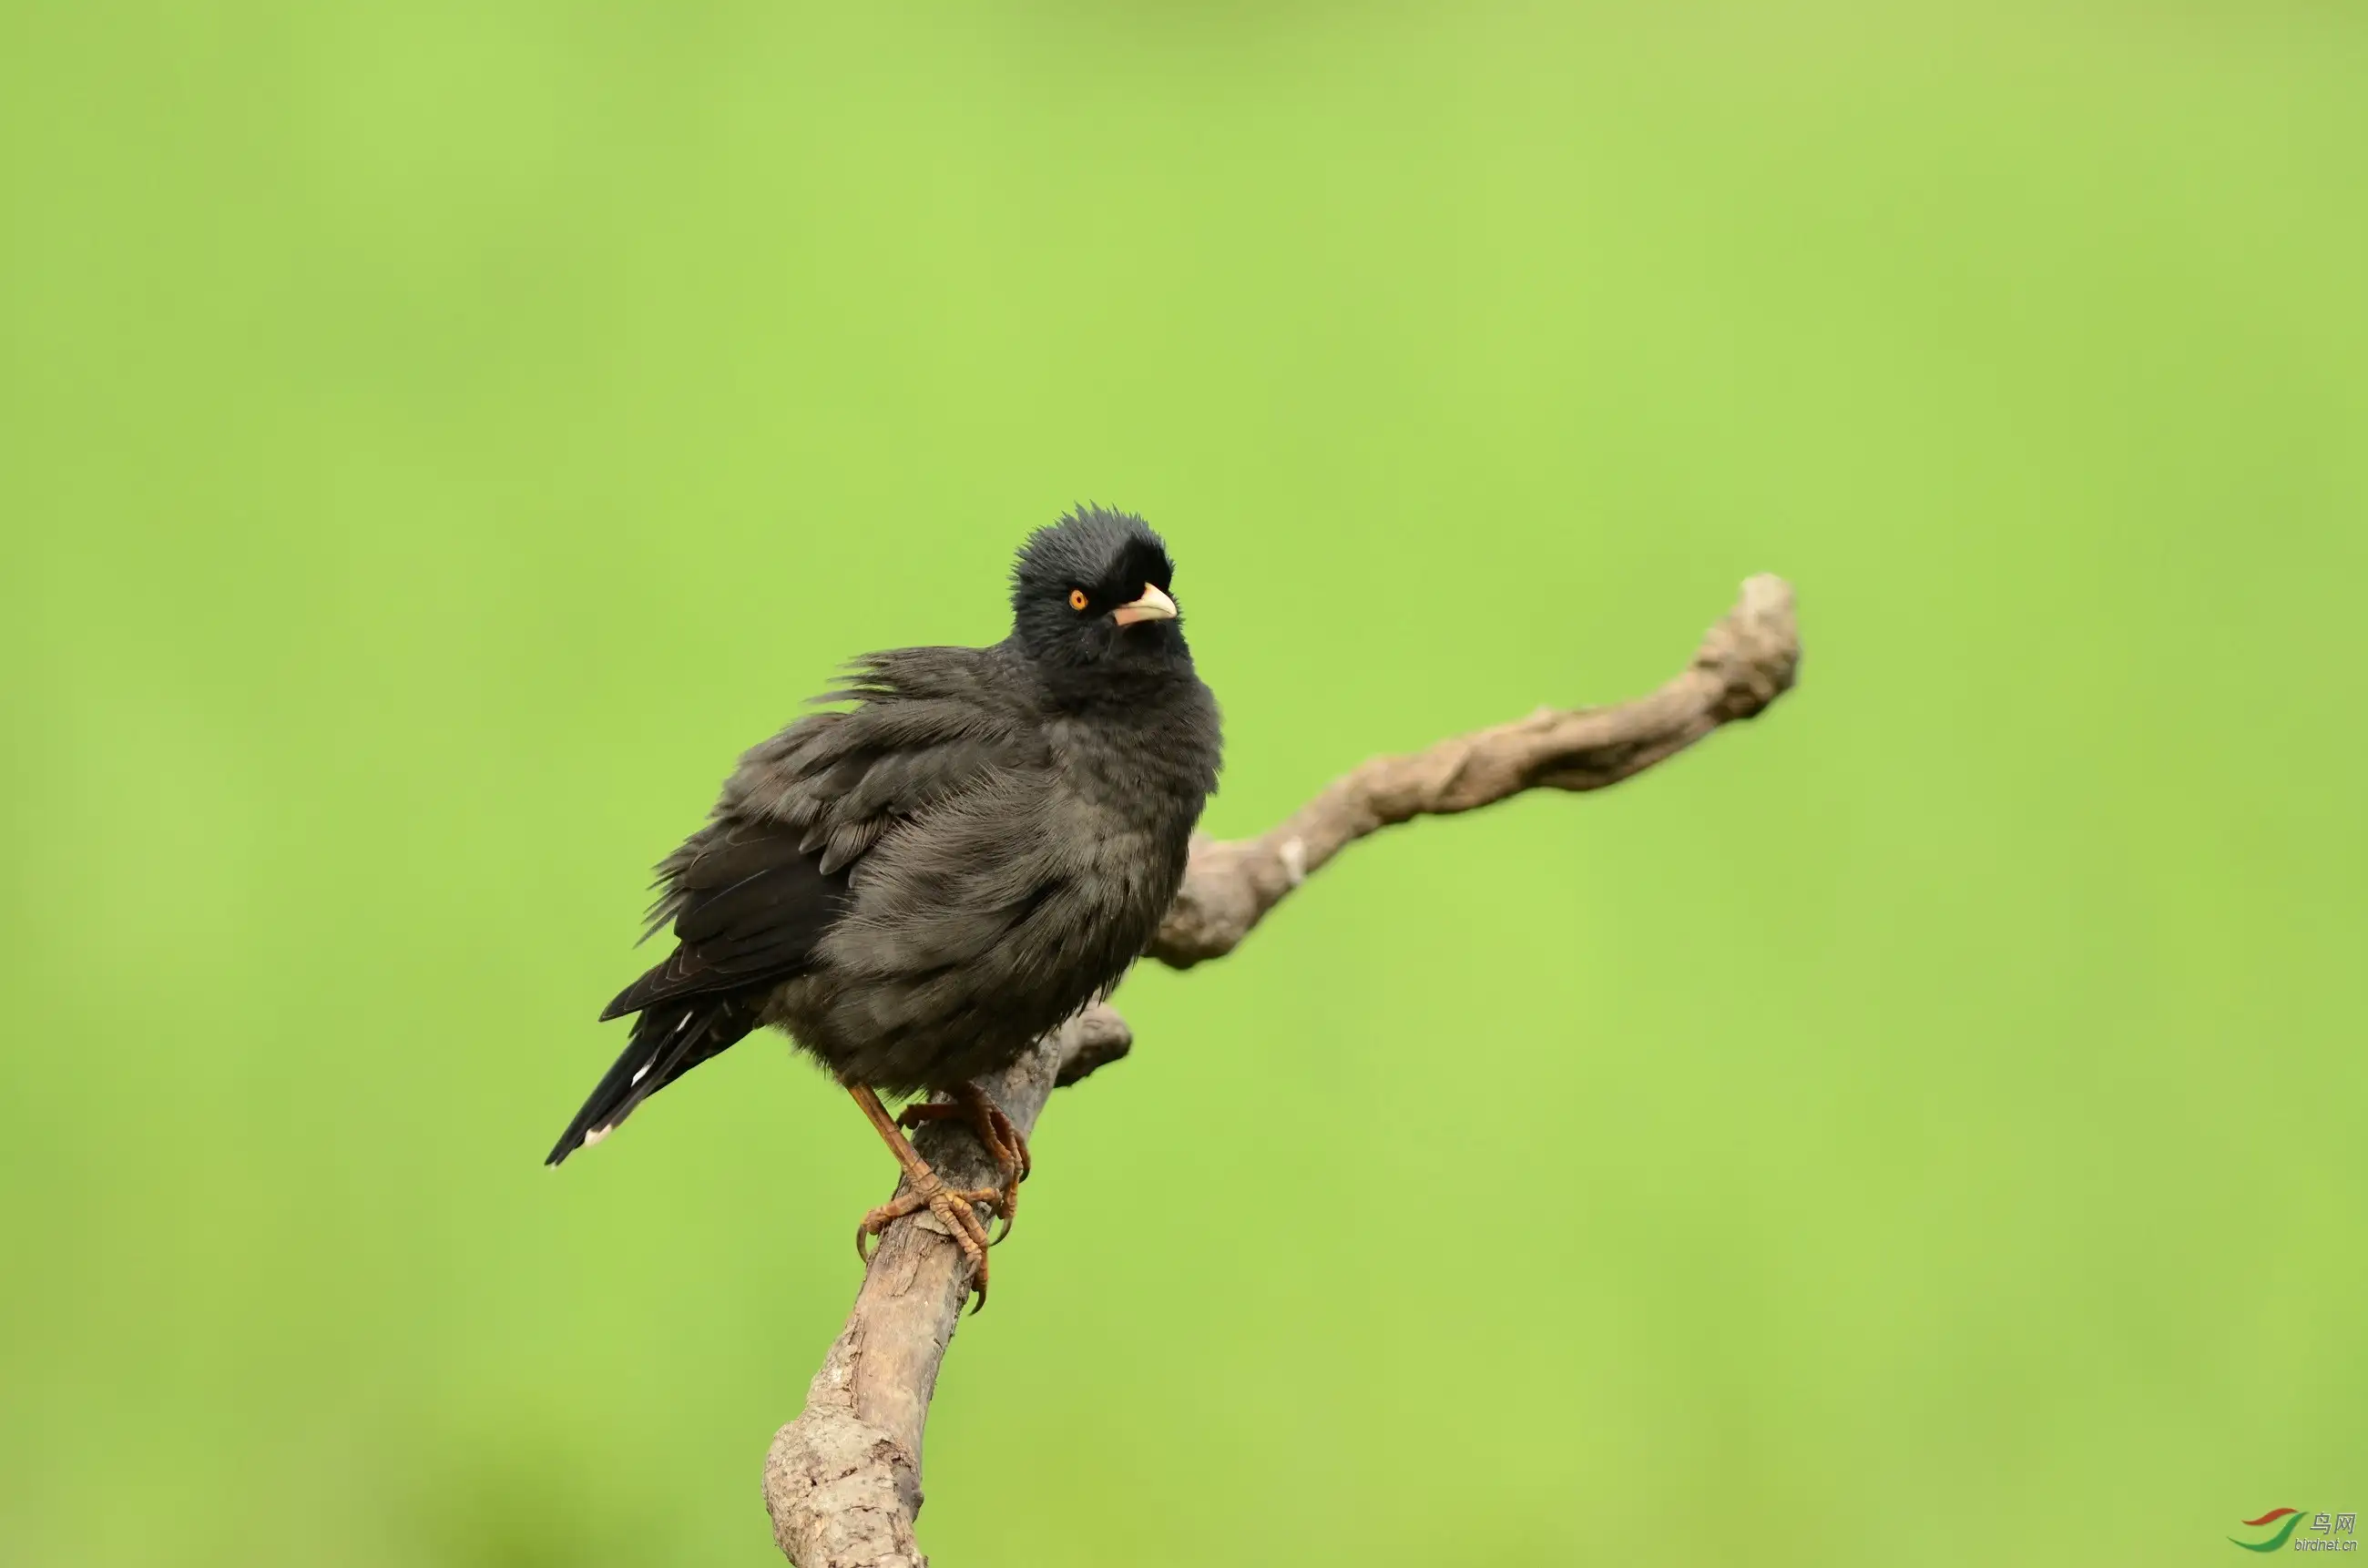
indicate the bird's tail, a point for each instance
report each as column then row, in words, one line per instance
column 668, row 1040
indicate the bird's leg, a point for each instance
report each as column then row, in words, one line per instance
column 928, row 1190
column 1004, row 1143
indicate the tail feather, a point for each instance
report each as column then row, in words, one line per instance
column 666, row 1042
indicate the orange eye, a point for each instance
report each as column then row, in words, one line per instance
column 1077, row 599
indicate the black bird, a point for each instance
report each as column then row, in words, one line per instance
column 917, row 887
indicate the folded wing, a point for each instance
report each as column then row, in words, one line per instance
column 751, row 896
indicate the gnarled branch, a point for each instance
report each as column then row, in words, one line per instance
column 1744, row 663
column 843, row 1481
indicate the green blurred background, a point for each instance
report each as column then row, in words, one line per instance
column 1922, row 1125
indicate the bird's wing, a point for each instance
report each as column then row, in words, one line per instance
column 750, row 894
column 748, row 908
column 930, row 724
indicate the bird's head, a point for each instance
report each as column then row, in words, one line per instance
column 1093, row 589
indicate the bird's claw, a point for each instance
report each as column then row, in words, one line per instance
column 954, row 1211
column 1004, row 1143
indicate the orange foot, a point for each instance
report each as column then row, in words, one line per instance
column 1005, row 1144
column 926, row 1189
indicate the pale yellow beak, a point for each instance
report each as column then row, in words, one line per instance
column 1153, row 606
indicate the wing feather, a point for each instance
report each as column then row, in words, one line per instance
column 752, row 894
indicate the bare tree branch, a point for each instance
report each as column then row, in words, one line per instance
column 843, row 1481
column 1744, row 663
